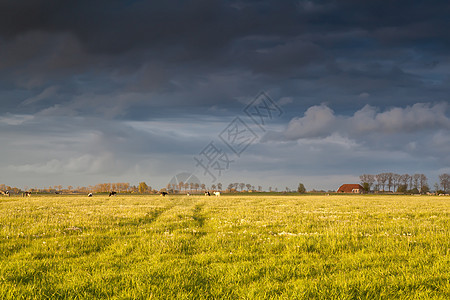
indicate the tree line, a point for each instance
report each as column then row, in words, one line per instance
column 142, row 187
column 122, row 187
column 383, row 182
column 403, row 183
column 200, row 187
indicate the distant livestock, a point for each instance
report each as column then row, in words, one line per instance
column 112, row 193
column 207, row 193
column 6, row 193
column 163, row 194
column 217, row 194
column 26, row 194
column 90, row 195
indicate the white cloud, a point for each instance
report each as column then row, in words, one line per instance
column 321, row 121
column 420, row 116
column 396, row 139
column 318, row 121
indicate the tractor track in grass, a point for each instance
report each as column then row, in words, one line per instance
column 197, row 215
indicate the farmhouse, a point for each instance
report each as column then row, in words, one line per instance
column 351, row 188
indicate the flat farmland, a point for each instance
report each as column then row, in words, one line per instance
column 230, row 247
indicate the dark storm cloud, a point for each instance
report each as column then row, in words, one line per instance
column 164, row 46
column 183, row 31
column 342, row 70
column 118, row 25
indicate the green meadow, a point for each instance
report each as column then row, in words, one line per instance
column 230, row 247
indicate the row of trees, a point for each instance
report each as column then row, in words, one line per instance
column 392, row 182
column 402, row 183
column 142, row 187
column 186, row 186
column 121, row 187
column 383, row 182
column 196, row 187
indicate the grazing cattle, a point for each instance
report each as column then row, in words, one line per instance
column 6, row 193
column 207, row 193
column 217, row 194
column 112, row 193
column 26, row 194
column 90, row 195
column 163, row 194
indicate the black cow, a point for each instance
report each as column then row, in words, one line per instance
column 90, row 195
column 164, row 194
column 112, row 193
column 207, row 193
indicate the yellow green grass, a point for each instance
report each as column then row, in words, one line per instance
column 228, row 247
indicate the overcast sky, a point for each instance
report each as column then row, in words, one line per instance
column 130, row 91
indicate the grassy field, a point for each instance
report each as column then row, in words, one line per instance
column 228, row 247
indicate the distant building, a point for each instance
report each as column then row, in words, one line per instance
column 351, row 188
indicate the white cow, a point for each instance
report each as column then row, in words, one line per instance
column 217, row 194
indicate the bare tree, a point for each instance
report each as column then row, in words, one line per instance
column 444, row 180
column 381, row 180
column 396, row 178
column 423, row 183
column 405, row 180
column 367, row 179
column 416, row 178
column 389, row 178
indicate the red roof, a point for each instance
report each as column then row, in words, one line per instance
column 351, row 188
